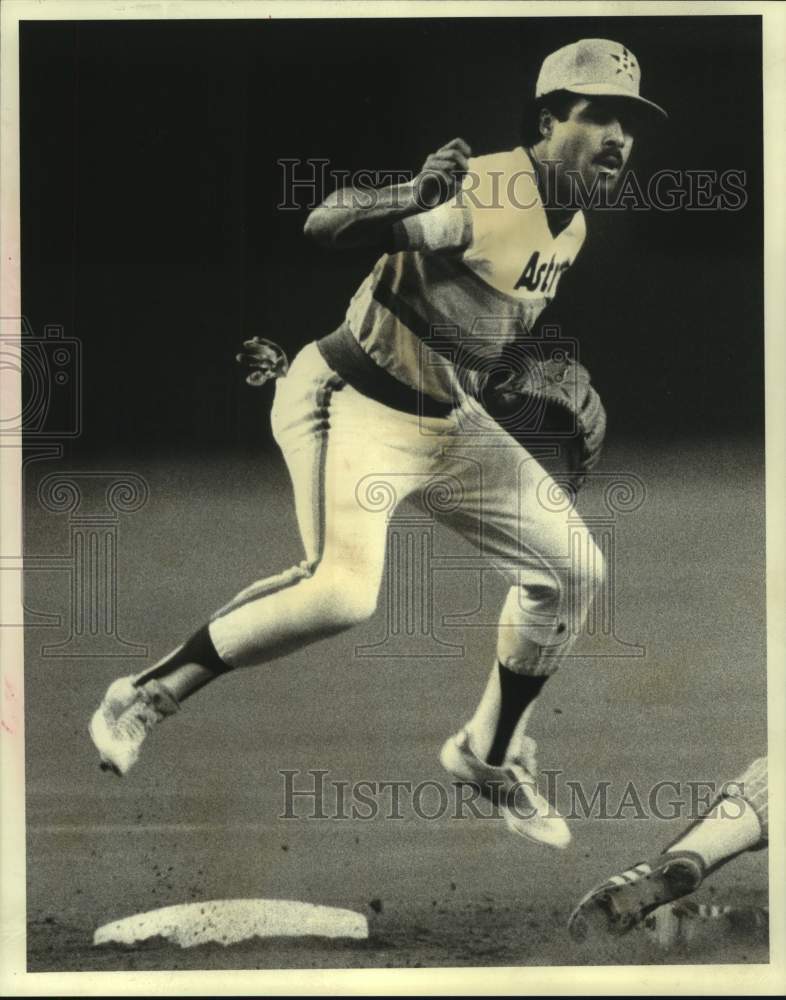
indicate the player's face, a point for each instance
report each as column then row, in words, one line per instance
column 595, row 140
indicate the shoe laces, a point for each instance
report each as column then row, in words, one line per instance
column 138, row 719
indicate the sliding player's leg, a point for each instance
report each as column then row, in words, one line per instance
column 737, row 821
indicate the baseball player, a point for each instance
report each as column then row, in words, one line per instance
column 416, row 388
column 737, row 821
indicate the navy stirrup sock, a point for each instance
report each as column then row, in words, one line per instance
column 518, row 691
column 198, row 649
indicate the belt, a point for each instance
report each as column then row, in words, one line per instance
column 348, row 359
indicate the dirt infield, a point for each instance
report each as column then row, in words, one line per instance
column 203, row 815
column 472, row 933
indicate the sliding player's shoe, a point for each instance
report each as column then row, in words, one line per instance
column 124, row 718
column 511, row 786
column 618, row 905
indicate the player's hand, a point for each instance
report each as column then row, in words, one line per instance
column 442, row 174
column 263, row 359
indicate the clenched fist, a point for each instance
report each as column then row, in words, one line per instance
column 263, row 360
column 442, row 174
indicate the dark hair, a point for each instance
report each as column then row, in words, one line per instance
column 559, row 103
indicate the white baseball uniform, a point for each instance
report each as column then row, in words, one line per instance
column 383, row 407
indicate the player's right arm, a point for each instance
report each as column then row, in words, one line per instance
column 418, row 215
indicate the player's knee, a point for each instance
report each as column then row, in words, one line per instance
column 346, row 600
column 355, row 608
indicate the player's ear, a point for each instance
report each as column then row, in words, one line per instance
column 545, row 123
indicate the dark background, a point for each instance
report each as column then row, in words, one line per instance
column 150, row 227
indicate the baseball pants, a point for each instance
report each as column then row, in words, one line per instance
column 352, row 460
column 753, row 786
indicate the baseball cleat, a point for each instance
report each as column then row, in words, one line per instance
column 622, row 902
column 512, row 787
column 124, row 718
